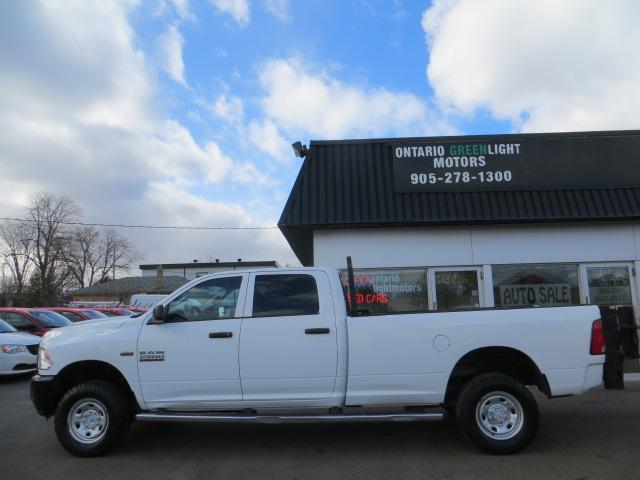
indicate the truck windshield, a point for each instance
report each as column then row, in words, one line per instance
column 6, row 328
column 50, row 319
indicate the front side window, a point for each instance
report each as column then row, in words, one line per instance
column 285, row 295
column 544, row 285
column 389, row 290
column 6, row 328
column 213, row 299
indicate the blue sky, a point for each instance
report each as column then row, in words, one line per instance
column 363, row 42
column 182, row 112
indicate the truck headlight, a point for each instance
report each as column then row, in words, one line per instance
column 12, row 348
column 44, row 360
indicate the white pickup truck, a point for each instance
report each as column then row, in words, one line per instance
column 280, row 345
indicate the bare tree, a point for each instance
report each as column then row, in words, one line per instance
column 118, row 253
column 92, row 255
column 16, row 246
column 47, row 216
column 82, row 255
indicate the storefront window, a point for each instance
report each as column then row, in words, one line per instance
column 609, row 285
column 390, row 290
column 457, row 289
column 544, row 285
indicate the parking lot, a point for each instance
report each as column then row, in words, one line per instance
column 590, row 437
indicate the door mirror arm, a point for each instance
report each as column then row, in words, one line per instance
column 159, row 315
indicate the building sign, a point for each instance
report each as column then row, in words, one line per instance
column 459, row 166
column 535, row 294
column 390, row 290
column 512, row 163
column 609, row 285
column 610, row 295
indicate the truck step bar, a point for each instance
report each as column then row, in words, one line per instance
column 276, row 419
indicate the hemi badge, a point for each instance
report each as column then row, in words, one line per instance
column 126, row 354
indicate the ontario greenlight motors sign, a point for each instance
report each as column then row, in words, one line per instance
column 508, row 162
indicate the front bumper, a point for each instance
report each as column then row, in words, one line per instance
column 16, row 363
column 42, row 396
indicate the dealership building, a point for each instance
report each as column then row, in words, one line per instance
column 474, row 221
column 195, row 269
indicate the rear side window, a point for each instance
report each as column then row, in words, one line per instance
column 74, row 317
column 285, row 295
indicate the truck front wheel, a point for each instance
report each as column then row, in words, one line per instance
column 497, row 413
column 91, row 417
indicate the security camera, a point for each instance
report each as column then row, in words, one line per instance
column 299, row 149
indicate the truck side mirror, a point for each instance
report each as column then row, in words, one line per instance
column 159, row 315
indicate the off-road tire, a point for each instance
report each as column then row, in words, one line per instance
column 112, row 400
column 479, row 392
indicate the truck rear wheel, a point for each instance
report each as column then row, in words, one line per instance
column 497, row 413
column 91, row 417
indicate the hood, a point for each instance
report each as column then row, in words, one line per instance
column 19, row 338
column 96, row 325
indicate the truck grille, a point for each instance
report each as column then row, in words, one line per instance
column 33, row 349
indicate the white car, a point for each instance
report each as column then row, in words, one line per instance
column 18, row 350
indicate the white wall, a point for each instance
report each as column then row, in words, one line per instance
column 478, row 245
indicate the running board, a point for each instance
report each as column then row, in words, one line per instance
column 273, row 419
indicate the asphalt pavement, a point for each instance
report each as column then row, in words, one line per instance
column 595, row 436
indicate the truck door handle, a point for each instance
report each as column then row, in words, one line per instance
column 316, row 331
column 220, row 335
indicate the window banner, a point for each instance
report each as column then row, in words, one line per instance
column 547, row 294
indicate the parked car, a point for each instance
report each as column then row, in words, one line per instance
column 76, row 314
column 282, row 346
column 114, row 311
column 33, row 320
column 18, row 351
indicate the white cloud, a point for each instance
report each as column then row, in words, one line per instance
column 180, row 7
column 265, row 135
column 238, row 9
column 183, row 10
column 279, row 9
column 300, row 98
column 229, row 108
column 164, row 202
column 171, row 43
column 80, row 117
column 544, row 65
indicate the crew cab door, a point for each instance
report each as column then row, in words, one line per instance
column 192, row 358
column 288, row 347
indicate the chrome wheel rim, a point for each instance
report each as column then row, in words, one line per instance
column 499, row 415
column 88, row 420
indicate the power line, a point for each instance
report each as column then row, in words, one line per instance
column 154, row 227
